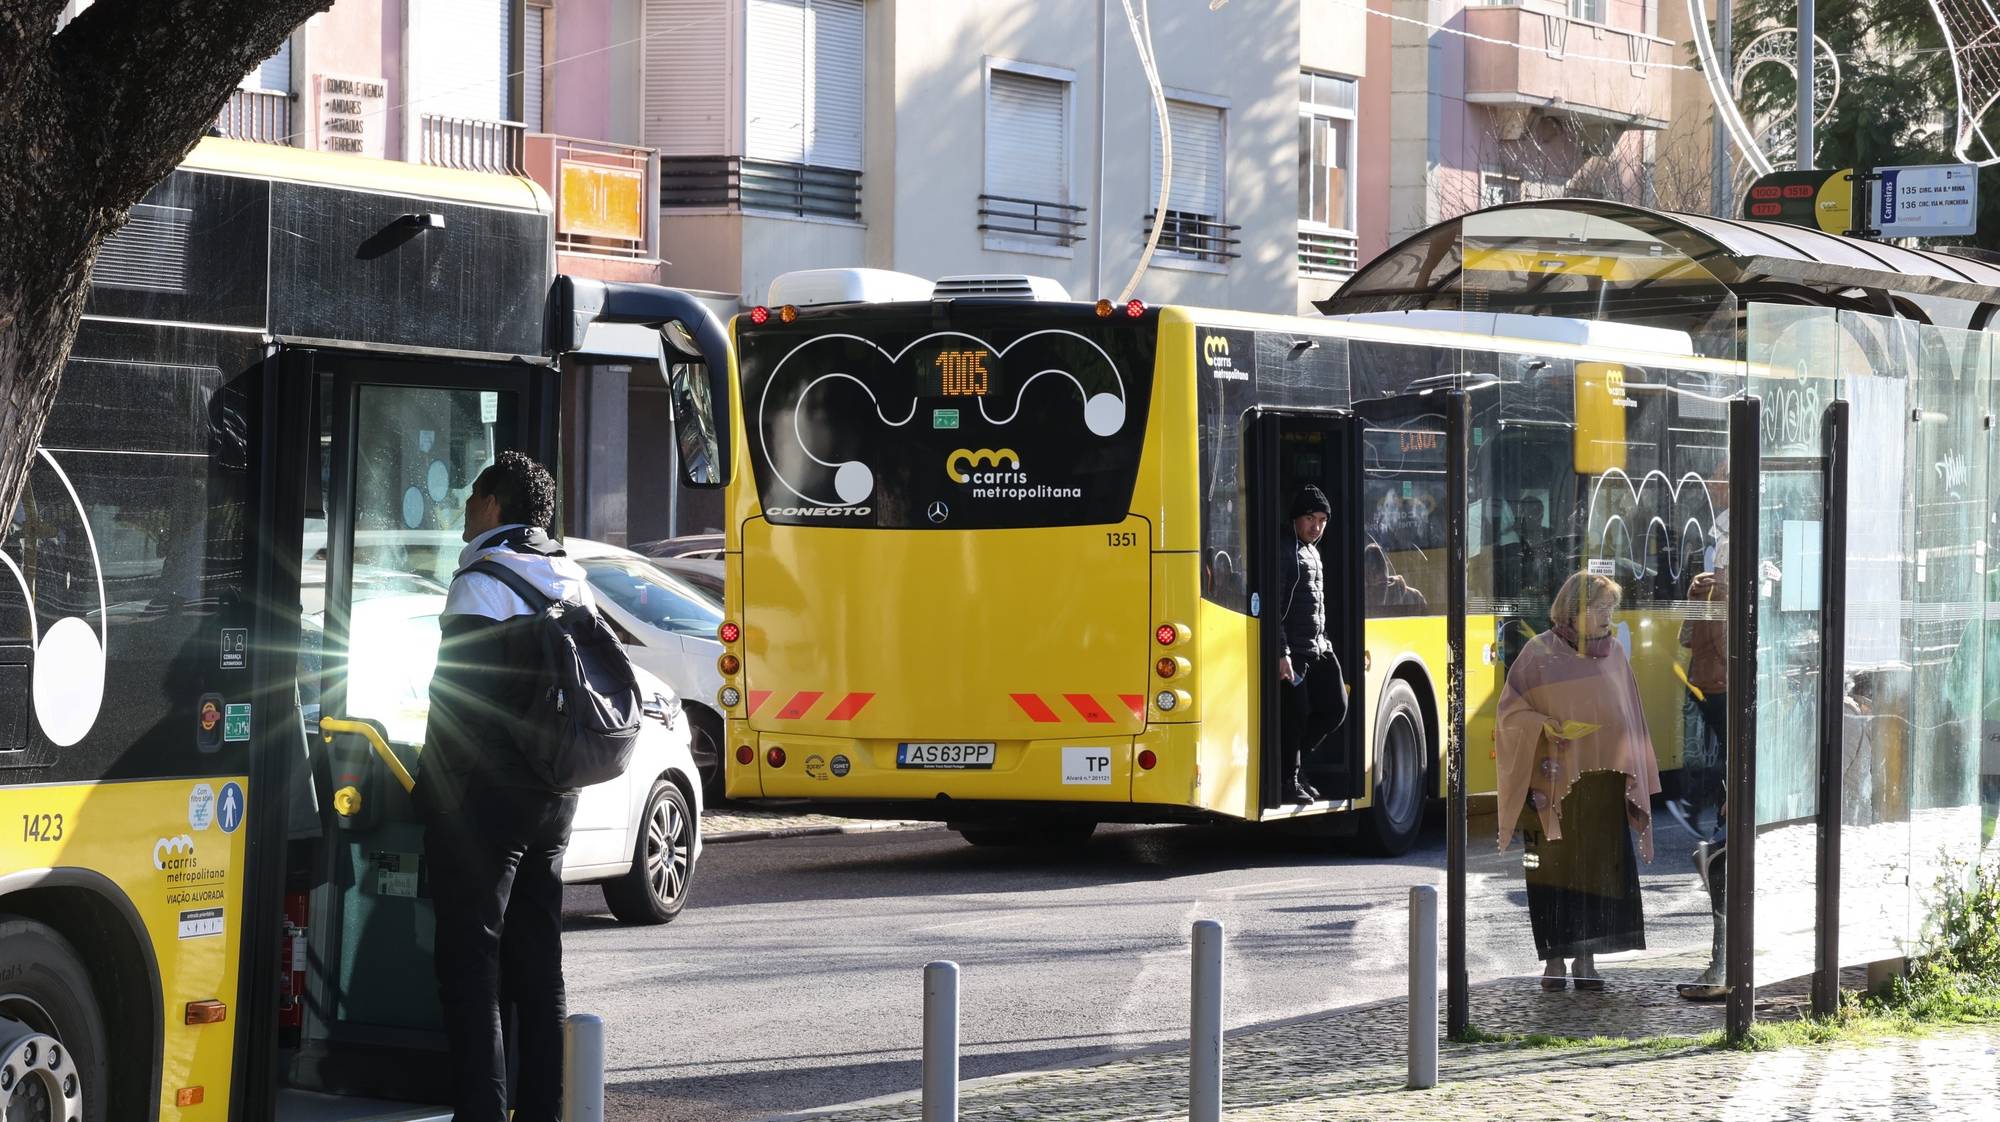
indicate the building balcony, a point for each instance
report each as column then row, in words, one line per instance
column 605, row 197
column 472, row 144
column 263, row 116
column 1549, row 64
column 738, row 183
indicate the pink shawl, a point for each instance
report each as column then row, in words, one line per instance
column 1550, row 682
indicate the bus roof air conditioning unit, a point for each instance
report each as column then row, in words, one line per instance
column 806, row 287
column 1000, row 286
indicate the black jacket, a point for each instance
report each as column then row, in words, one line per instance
column 488, row 673
column 1301, row 601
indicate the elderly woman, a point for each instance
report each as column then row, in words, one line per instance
column 1576, row 770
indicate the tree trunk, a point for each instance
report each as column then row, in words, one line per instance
column 93, row 118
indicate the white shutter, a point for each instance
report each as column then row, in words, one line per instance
column 274, row 73
column 1197, row 186
column 833, row 119
column 461, row 62
column 1027, row 138
column 687, row 85
column 775, row 81
column 533, row 56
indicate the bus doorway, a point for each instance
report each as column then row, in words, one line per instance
column 397, row 443
column 1288, row 450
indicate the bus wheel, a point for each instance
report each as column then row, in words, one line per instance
column 656, row 889
column 52, row 1048
column 1389, row 827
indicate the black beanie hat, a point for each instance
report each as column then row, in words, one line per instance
column 1309, row 500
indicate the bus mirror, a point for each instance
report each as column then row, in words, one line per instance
column 691, row 387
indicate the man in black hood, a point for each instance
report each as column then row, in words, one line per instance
column 1312, row 684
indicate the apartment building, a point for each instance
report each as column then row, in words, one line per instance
column 1009, row 136
column 1499, row 102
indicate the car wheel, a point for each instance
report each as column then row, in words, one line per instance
column 655, row 889
column 1389, row 826
column 705, row 744
column 52, row 1034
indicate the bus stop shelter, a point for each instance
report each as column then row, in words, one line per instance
column 1844, row 393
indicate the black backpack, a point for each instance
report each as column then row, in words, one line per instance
column 584, row 723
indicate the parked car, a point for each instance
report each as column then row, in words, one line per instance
column 667, row 614
column 638, row 836
column 700, row 547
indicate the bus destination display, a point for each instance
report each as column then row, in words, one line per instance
column 956, row 371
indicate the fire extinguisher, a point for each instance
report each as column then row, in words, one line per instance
column 292, row 963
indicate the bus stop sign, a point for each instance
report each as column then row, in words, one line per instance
column 1817, row 199
column 1931, row 200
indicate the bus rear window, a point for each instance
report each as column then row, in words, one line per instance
column 947, row 417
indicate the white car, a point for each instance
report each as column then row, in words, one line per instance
column 668, row 622
column 637, row 835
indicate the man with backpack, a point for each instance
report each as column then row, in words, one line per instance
column 522, row 665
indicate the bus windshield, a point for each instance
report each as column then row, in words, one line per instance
column 947, row 416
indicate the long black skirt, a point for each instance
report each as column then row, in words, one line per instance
column 1583, row 891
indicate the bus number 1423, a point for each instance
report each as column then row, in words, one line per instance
column 41, row 827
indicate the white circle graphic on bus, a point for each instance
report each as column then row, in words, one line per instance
column 67, row 684
column 853, row 481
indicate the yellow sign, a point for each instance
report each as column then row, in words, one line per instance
column 1214, row 347
column 1600, row 417
column 596, row 201
column 1833, row 209
column 985, row 457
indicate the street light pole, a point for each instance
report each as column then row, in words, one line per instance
column 1719, row 193
column 1806, row 145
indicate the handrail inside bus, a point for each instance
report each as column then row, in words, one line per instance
column 366, row 730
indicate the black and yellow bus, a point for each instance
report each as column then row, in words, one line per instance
column 290, row 369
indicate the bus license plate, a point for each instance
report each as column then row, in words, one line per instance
column 947, row 757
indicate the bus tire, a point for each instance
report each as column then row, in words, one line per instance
column 1390, row 825
column 48, row 1011
column 656, row 888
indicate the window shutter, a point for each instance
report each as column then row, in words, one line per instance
column 274, row 73
column 776, row 81
column 1027, row 138
column 1197, row 186
column 834, row 115
column 687, row 84
column 461, row 63
column 534, row 56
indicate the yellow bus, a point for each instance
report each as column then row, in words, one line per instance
column 998, row 560
column 218, row 620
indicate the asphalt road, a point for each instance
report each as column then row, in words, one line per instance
column 793, row 979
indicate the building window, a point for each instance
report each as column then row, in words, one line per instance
column 1327, row 245
column 1497, row 187
column 1590, row 10
column 537, row 35
column 1193, row 225
column 1027, row 195
column 462, row 83
column 803, row 94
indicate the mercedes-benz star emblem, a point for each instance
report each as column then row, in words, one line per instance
column 939, row 512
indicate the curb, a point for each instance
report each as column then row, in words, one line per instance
column 815, row 831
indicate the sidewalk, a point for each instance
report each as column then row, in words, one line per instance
column 733, row 822
column 1350, row 1065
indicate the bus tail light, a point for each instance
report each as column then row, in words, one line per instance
column 728, row 632
column 1147, row 760
column 729, row 664
column 745, row 755
column 1104, row 309
column 1169, row 700
column 760, row 315
column 1170, row 666
column 775, row 756
column 729, row 696
column 1167, row 634
column 1135, row 307
column 788, row 314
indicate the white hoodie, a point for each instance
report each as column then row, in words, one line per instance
column 478, row 594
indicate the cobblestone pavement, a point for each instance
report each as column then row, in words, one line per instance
column 1351, row 1065
column 735, row 822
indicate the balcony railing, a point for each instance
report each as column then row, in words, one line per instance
column 1328, row 253
column 1060, row 223
column 1527, row 57
column 264, row 116
column 1187, row 234
column 472, row 144
column 739, row 183
column 605, row 194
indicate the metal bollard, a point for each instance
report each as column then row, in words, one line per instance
column 1205, row 1025
column 941, row 1042
column 1423, row 988
column 583, row 1068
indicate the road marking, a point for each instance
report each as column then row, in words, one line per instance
column 982, row 921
